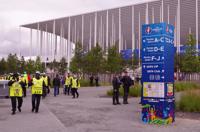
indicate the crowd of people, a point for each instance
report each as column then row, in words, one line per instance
column 40, row 87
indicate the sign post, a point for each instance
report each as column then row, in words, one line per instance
column 158, row 102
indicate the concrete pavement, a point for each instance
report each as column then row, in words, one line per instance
column 92, row 112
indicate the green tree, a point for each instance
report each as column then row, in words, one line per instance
column 63, row 65
column 76, row 64
column 190, row 62
column 38, row 65
column 12, row 63
column 22, row 65
column 30, row 66
column 94, row 61
column 114, row 60
column 3, row 66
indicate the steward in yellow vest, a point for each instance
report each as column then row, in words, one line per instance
column 36, row 84
column 75, row 86
column 68, row 84
column 45, row 86
column 15, row 93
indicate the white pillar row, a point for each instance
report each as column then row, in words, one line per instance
column 82, row 34
column 46, row 43
column 175, row 33
column 139, row 39
column 101, row 31
column 41, row 42
column 168, row 14
column 120, row 32
column 103, row 37
column 38, row 28
column 106, row 31
column 31, row 44
column 162, row 10
column 75, row 33
column 161, row 13
column 90, row 40
column 197, row 26
column 69, row 44
column 95, row 29
column 178, row 27
column 54, row 38
column 133, row 29
column 147, row 13
column 153, row 15
column 112, row 36
column 60, row 47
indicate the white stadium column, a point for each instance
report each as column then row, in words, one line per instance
column 106, row 31
column 147, row 14
column 31, row 40
column 133, row 29
column 95, row 29
column 82, row 34
column 120, row 32
column 139, row 39
column 197, row 26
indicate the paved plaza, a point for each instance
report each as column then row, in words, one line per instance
column 91, row 112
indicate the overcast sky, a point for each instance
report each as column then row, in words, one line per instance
column 18, row 12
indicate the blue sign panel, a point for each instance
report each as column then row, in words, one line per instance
column 158, row 73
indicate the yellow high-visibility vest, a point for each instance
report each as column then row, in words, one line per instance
column 45, row 80
column 37, row 86
column 79, row 84
column 74, row 83
column 68, row 80
column 15, row 90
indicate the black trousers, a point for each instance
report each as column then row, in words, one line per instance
column 126, row 92
column 48, row 89
column 14, row 101
column 67, row 89
column 24, row 91
column 115, row 96
column 44, row 94
column 36, row 102
column 75, row 91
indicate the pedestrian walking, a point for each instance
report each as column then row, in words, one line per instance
column 37, row 90
column 75, row 86
column 15, row 93
column 96, row 80
column 116, row 85
column 127, row 82
column 68, row 84
column 56, row 85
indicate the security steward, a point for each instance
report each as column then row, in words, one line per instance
column 36, row 89
column 45, row 86
column 127, row 82
column 15, row 93
column 68, row 84
column 75, row 86
column 116, row 85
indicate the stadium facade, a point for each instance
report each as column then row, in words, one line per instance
column 122, row 26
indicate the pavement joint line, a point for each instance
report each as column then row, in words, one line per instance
column 57, row 120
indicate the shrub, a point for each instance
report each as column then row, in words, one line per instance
column 134, row 91
column 84, row 83
column 182, row 86
column 189, row 101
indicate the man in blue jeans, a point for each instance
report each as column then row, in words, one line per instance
column 56, row 84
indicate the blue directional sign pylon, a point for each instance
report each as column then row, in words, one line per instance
column 157, row 73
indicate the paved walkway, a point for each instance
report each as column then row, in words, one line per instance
column 90, row 113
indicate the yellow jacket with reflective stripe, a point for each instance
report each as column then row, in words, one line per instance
column 15, row 90
column 75, row 83
column 37, row 86
column 68, row 80
column 45, row 80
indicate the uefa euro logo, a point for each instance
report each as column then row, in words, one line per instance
column 148, row 30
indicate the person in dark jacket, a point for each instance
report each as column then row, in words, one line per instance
column 96, row 81
column 116, row 85
column 127, row 82
column 91, row 80
column 56, row 84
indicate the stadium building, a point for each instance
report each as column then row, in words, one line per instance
column 122, row 26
